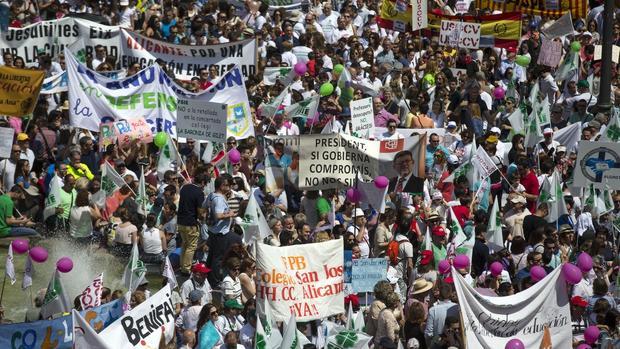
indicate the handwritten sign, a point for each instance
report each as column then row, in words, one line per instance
column 124, row 132
column 362, row 118
column 205, row 121
column 460, row 34
column 550, row 53
column 367, row 272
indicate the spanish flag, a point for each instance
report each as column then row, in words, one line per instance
column 549, row 9
column 395, row 15
column 502, row 30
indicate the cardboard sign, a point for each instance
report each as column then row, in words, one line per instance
column 362, row 118
column 19, row 90
column 367, row 272
column 550, row 53
column 124, row 132
column 460, row 34
column 205, row 121
column 598, row 163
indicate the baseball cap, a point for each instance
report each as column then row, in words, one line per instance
column 451, row 124
column 22, row 137
column 492, row 139
column 583, row 83
column 496, row 130
column 200, row 268
column 358, row 212
column 233, row 304
column 547, row 130
column 578, row 301
column 560, row 149
column 437, row 195
column 511, row 49
column 439, row 231
column 195, row 296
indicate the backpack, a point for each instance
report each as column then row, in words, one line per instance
column 393, row 251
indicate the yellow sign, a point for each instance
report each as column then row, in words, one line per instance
column 19, row 90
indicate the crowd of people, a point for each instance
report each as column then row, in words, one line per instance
column 199, row 206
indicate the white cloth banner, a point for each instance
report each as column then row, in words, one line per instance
column 144, row 325
column 91, row 296
column 490, row 322
column 598, row 163
column 306, row 280
column 186, row 61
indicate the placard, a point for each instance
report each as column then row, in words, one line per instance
column 123, row 132
column 6, row 141
column 615, row 53
column 205, row 121
column 598, row 163
column 550, row 53
column 362, row 118
column 367, row 272
column 460, row 34
column 419, row 12
column 19, row 90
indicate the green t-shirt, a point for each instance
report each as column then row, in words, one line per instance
column 323, row 206
column 67, row 200
column 439, row 253
column 6, row 210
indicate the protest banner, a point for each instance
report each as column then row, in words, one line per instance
column 305, row 280
column 144, row 325
column 419, row 14
column 490, row 322
column 460, row 34
column 483, row 163
column 52, row 37
column 59, row 82
column 598, row 163
column 6, row 141
column 550, row 53
column 19, row 90
column 285, row 4
column 561, row 27
column 186, row 61
column 501, row 30
column 229, row 89
column 362, row 118
column 205, row 121
column 91, row 296
column 407, row 132
column 57, row 333
column 547, row 9
column 367, row 272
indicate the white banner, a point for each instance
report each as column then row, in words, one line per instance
column 490, row 322
column 484, row 164
column 306, row 280
column 186, row 61
column 419, row 12
column 205, row 121
column 460, row 34
column 362, row 118
column 144, row 325
column 91, row 296
column 51, row 37
column 6, row 141
column 598, row 163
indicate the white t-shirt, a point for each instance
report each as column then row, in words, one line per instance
column 7, row 168
column 125, row 18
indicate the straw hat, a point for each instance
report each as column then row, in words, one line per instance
column 421, row 286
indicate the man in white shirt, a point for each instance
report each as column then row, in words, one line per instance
column 547, row 146
column 548, row 87
column 100, row 56
column 328, row 20
column 288, row 56
column 197, row 281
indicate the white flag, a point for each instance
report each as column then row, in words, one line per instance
column 612, row 131
column 558, row 206
column 168, row 158
column 516, row 121
column 371, row 195
column 53, row 198
column 9, row 266
column 292, row 337
column 168, row 273
column 483, row 163
column 84, row 337
column 91, row 296
column 274, row 337
column 494, row 236
column 348, row 340
column 142, row 198
column 134, row 271
column 56, row 300
column 111, row 181
column 255, row 227
column 28, row 272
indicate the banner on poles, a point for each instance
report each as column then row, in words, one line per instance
column 19, row 90
column 366, row 272
column 501, row 30
column 205, row 121
column 123, row 132
column 552, row 9
column 186, row 61
column 144, row 325
column 306, row 280
column 57, row 333
column 598, row 163
column 490, row 322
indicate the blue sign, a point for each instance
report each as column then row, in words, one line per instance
column 57, row 333
column 367, row 272
column 348, row 257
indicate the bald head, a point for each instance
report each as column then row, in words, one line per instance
column 189, row 338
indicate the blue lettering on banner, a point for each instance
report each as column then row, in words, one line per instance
column 83, row 111
column 160, row 124
column 57, row 333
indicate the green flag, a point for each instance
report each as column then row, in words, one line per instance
column 55, row 300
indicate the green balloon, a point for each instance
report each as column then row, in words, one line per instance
column 575, row 46
column 523, row 61
column 430, row 79
column 160, row 139
column 338, row 68
column 326, row 89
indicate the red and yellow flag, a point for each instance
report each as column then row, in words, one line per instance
column 395, row 15
column 502, row 30
column 544, row 8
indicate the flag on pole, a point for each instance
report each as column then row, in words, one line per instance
column 274, row 337
column 612, row 131
column 84, row 336
column 168, row 158
column 494, row 236
column 462, row 243
column 561, row 27
column 28, row 272
column 111, row 181
column 261, row 339
column 255, row 227
column 533, row 134
column 348, row 340
column 53, row 198
column 427, row 240
column 292, row 337
column 516, row 122
column 544, row 112
column 483, row 163
column 168, row 273
column 569, row 67
column 9, row 266
column 208, row 336
column 91, row 296
column 135, row 271
column 142, row 198
column 350, row 320
column 56, row 300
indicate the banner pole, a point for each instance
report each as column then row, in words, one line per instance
column 2, row 293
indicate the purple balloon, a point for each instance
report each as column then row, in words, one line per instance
column 444, row 266
column 64, row 265
column 300, row 68
column 537, row 273
column 514, row 344
column 234, row 156
column 353, row 195
column 571, row 273
column 496, row 269
column 38, row 254
column 20, row 246
column 584, row 262
column 499, row 92
column 461, row 261
column 591, row 334
column 382, row 182
column 583, row 346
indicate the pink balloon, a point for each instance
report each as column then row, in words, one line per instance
column 20, row 246
column 496, row 269
column 583, row 346
column 382, row 182
column 444, row 266
column 571, row 273
column 461, row 261
column 300, row 68
column 64, row 265
column 584, row 262
column 537, row 273
column 38, row 254
column 234, row 156
column 353, row 195
column 514, row 344
column 591, row 334
column 499, row 92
